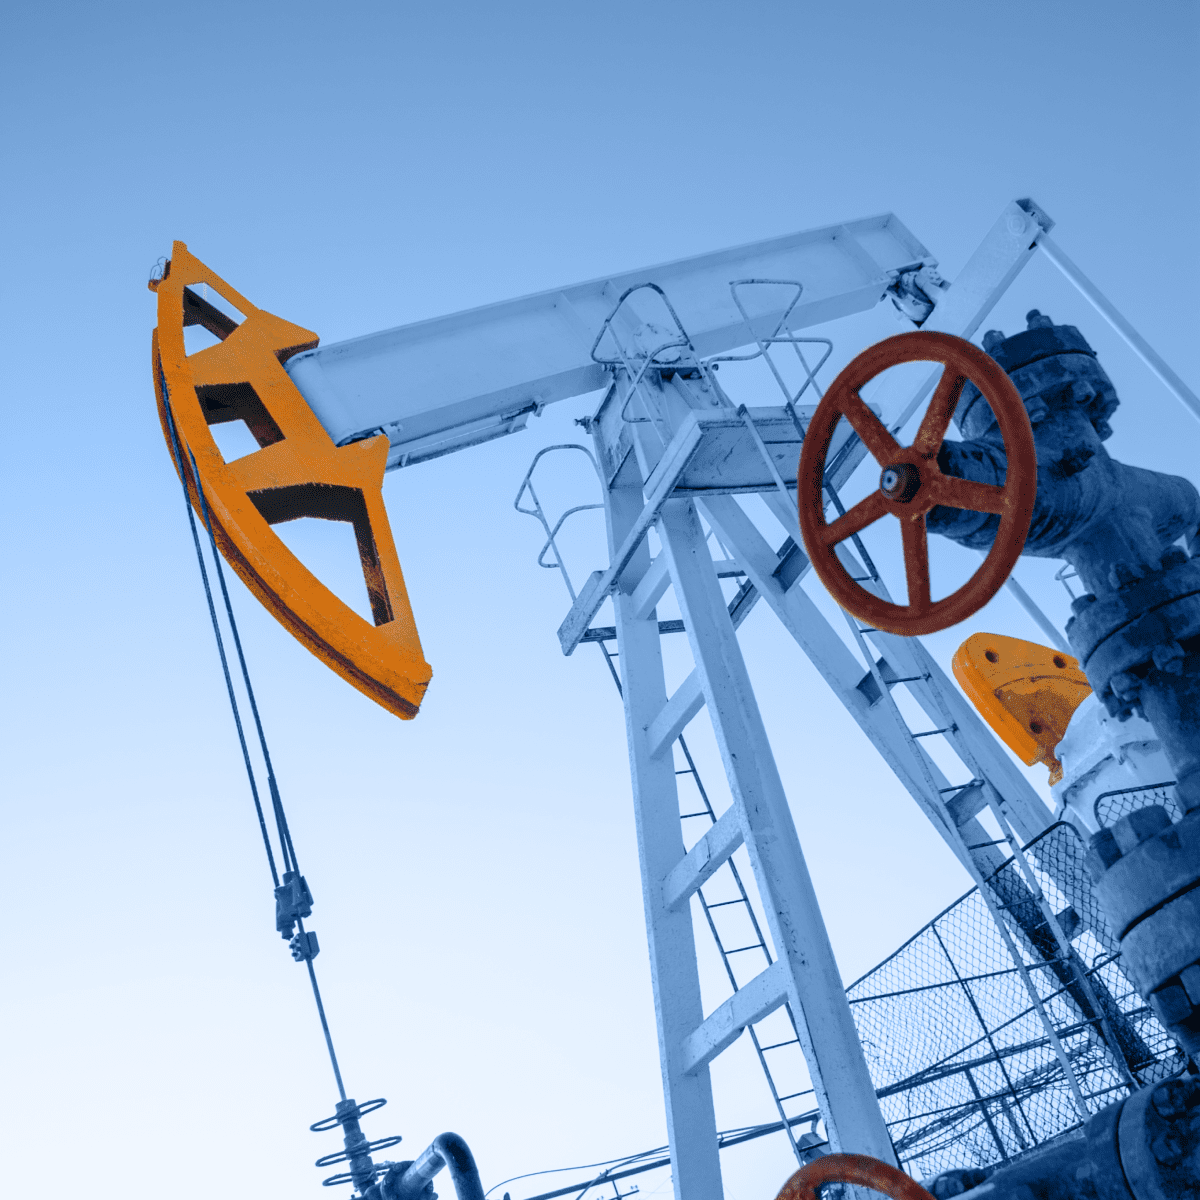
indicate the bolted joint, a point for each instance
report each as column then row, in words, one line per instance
column 1177, row 1006
column 1167, row 1149
column 1168, row 657
column 1126, row 686
column 1140, row 826
column 1121, row 574
column 1170, row 1098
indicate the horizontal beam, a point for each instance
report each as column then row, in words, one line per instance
column 443, row 384
column 703, row 860
column 685, row 702
column 650, row 590
column 762, row 995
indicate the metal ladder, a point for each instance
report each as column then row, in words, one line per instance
column 630, row 442
column 741, row 900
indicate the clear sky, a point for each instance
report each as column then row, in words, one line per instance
column 357, row 166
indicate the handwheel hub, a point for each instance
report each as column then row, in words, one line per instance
column 900, row 482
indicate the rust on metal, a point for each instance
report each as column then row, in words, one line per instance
column 911, row 483
column 1025, row 691
column 296, row 472
column 852, row 1168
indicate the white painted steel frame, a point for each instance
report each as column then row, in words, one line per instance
column 445, row 384
column 804, row 974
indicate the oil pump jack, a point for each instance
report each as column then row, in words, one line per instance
column 671, row 450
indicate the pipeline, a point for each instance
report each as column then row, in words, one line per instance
column 414, row 1180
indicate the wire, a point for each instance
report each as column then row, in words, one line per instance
column 212, row 612
column 287, row 848
column 281, row 825
column 608, row 1162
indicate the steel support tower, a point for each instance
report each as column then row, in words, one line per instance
column 672, row 451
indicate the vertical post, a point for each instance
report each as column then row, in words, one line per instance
column 815, row 990
column 691, row 1118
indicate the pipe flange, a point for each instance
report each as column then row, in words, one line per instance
column 1143, row 622
column 1143, row 861
column 1046, row 358
column 1159, row 1140
column 1163, row 945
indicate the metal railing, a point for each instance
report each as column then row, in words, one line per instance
column 962, row 1062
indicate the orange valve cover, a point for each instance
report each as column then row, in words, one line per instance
column 1026, row 692
column 296, row 472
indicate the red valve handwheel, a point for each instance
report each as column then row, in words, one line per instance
column 911, row 484
column 851, row 1168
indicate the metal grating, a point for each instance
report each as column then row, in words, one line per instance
column 966, row 1072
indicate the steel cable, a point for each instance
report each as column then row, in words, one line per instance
column 287, row 847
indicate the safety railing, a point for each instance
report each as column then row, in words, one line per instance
column 1110, row 807
column 962, row 1062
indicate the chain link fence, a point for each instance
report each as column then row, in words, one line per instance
column 977, row 1057
column 1110, row 807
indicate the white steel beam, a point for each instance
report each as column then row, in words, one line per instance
column 762, row 995
column 454, row 381
column 685, row 702
column 687, row 1090
column 704, row 859
column 650, row 591
column 816, row 993
column 655, row 475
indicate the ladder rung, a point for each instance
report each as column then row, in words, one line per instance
column 726, row 903
column 904, row 679
column 689, row 816
column 686, row 771
column 958, row 787
column 794, row 1095
column 982, row 845
column 608, row 633
column 931, row 732
column 777, row 1045
column 741, row 949
column 868, row 629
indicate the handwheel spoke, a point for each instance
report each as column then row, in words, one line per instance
column 937, row 417
column 865, row 512
column 970, row 495
column 916, row 560
column 870, row 429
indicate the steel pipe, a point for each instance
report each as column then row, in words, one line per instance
column 446, row 1150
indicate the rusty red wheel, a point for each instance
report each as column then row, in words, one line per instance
column 851, row 1168
column 911, row 484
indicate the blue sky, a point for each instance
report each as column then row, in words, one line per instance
column 358, row 166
